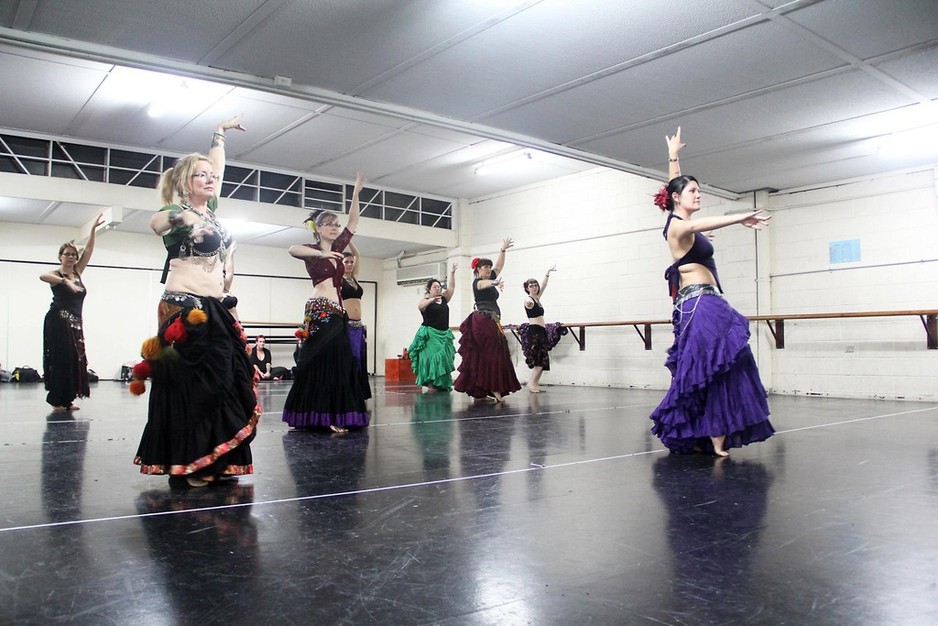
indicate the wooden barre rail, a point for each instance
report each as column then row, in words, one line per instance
column 775, row 324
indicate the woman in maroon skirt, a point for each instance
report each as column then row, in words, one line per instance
column 486, row 369
column 716, row 400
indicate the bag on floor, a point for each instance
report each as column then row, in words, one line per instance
column 5, row 376
column 93, row 376
column 25, row 374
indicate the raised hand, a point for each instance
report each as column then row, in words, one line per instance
column 234, row 122
column 674, row 143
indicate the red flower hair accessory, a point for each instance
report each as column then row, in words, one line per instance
column 661, row 198
column 475, row 263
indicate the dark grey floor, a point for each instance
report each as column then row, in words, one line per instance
column 556, row 508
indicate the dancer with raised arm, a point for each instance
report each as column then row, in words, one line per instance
column 432, row 353
column 203, row 407
column 486, row 370
column 535, row 343
column 716, row 400
column 326, row 391
column 64, row 363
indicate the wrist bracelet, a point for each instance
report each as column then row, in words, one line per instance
column 217, row 134
column 173, row 218
column 673, row 160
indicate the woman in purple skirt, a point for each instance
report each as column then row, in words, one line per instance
column 716, row 400
column 326, row 391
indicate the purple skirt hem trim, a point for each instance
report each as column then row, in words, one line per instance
column 325, row 420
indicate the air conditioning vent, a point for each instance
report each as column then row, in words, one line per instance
column 419, row 274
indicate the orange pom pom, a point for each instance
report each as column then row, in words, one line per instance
column 150, row 348
column 196, row 317
column 137, row 387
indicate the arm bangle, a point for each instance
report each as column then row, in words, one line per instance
column 673, row 160
column 173, row 218
column 222, row 135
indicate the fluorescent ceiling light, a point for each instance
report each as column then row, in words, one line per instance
column 915, row 142
column 511, row 162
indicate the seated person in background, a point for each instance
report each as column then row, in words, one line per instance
column 260, row 359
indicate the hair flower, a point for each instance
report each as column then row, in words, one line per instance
column 661, row 198
column 475, row 263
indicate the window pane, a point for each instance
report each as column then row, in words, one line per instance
column 23, row 146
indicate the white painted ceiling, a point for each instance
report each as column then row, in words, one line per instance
column 770, row 94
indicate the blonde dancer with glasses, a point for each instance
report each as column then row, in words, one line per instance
column 64, row 364
column 327, row 392
column 203, row 408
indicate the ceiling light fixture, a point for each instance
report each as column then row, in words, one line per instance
column 510, row 162
column 169, row 100
column 914, row 142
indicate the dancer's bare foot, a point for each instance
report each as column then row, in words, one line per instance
column 718, row 445
column 337, row 430
column 498, row 397
column 533, row 389
column 59, row 409
column 72, row 407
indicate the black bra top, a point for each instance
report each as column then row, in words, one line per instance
column 701, row 252
column 535, row 311
column 180, row 244
column 351, row 291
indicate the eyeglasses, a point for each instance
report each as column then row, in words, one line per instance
column 203, row 176
column 329, row 224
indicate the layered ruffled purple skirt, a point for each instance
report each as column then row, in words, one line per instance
column 715, row 387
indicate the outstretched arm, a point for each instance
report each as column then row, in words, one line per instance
column 756, row 220
column 89, row 247
column 674, row 150
column 500, row 261
column 356, row 256
column 354, row 209
column 216, row 153
column 546, row 278
column 450, row 283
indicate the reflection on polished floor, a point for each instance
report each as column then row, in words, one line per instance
column 557, row 508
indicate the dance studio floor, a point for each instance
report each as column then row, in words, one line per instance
column 557, row 508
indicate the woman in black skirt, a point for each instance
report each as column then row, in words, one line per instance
column 64, row 364
column 203, row 405
column 327, row 392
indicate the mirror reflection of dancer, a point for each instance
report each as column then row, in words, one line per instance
column 352, row 293
column 716, row 400
column 326, row 391
column 203, row 410
column 535, row 346
column 432, row 352
column 486, row 369
column 64, row 363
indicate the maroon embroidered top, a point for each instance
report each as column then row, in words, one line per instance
column 322, row 268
